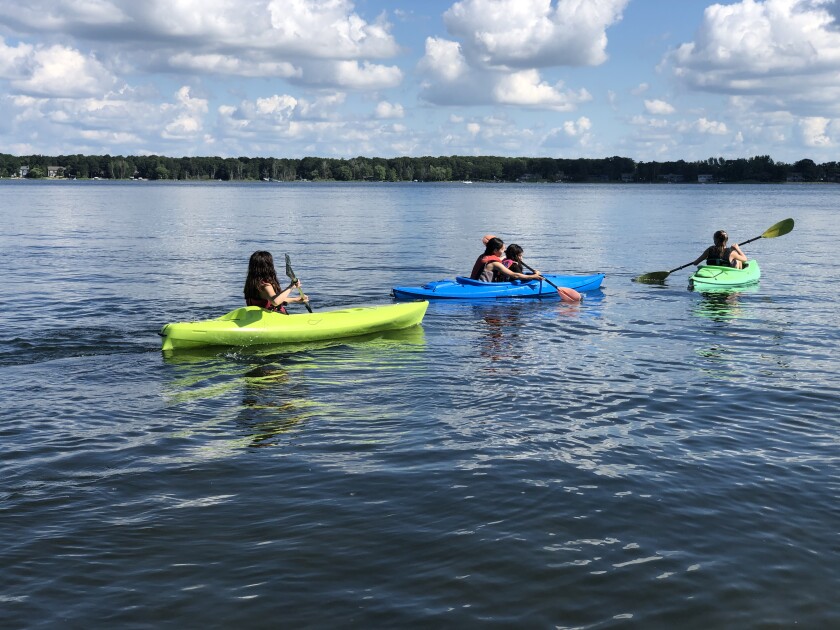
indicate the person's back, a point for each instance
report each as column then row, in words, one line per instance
column 720, row 255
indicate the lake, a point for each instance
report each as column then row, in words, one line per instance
column 652, row 457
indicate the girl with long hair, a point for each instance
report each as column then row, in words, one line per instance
column 720, row 255
column 262, row 287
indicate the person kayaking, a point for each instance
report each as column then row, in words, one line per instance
column 720, row 255
column 261, row 285
column 488, row 266
column 513, row 258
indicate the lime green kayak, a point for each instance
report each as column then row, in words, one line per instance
column 711, row 277
column 252, row 325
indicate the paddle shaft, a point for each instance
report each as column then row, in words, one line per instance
column 566, row 294
column 291, row 274
column 531, row 269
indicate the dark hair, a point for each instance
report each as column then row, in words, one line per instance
column 493, row 245
column 514, row 251
column 720, row 237
column 260, row 271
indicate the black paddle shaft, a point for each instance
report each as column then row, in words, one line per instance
column 531, row 269
column 291, row 274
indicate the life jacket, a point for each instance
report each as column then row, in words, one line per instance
column 478, row 270
column 266, row 304
column 715, row 260
column 513, row 265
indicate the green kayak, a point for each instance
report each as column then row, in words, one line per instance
column 711, row 277
column 252, row 325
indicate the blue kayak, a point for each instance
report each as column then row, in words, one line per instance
column 466, row 289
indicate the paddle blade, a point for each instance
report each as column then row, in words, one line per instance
column 653, row 277
column 289, row 272
column 780, row 229
column 568, row 295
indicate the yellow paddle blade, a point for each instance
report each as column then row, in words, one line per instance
column 780, row 229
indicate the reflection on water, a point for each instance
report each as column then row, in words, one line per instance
column 272, row 386
column 500, row 325
column 724, row 304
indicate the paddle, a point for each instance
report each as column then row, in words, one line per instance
column 779, row 229
column 565, row 293
column 293, row 278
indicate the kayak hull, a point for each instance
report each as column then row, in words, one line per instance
column 252, row 325
column 711, row 277
column 466, row 289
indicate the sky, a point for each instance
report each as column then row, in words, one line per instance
column 652, row 80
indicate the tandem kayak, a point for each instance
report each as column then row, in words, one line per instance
column 467, row 289
column 711, row 277
column 252, row 325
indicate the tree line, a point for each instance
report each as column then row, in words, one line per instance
column 760, row 168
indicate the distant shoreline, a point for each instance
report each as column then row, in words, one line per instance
column 455, row 168
column 376, row 182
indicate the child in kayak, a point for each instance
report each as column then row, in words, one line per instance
column 513, row 258
column 720, row 255
column 489, row 267
column 261, row 285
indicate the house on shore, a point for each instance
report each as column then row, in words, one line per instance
column 55, row 171
column 23, row 171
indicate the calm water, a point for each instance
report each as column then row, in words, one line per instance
column 650, row 458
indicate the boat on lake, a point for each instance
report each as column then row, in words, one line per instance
column 714, row 278
column 462, row 288
column 252, row 325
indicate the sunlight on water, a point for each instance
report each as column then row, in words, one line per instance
column 652, row 456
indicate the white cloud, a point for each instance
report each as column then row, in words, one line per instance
column 308, row 28
column 473, row 128
column 533, row 33
column 573, row 133
column 784, row 53
column 643, row 121
column 658, row 107
column 525, row 88
column 312, row 42
column 277, row 106
column 384, row 109
column 502, row 44
column 443, row 60
column 712, row 127
column 187, row 115
column 212, row 63
column 350, row 75
column 54, row 71
column 640, row 89
column 325, row 107
column 14, row 59
column 451, row 81
column 814, row 132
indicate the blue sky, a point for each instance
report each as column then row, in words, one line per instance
column 645, row 79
